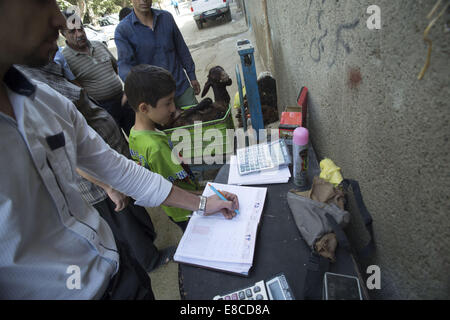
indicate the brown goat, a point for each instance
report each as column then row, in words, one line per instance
column 206, row 110
column 219, row 80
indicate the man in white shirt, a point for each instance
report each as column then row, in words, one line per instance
column 52, row 244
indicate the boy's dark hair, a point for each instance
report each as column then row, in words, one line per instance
column 148, row 84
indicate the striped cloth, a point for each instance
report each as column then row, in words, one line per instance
column 95, row 71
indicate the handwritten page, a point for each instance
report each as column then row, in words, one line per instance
column 217, row 243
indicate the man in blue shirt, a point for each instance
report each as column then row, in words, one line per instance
column 151, row 36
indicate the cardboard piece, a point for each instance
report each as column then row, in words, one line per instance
column 289, row 122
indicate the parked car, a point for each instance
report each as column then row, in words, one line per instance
column 95, row 34
column 113, row 18
column 204, row 10
column 108, row 25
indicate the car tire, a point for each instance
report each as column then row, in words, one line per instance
column 199, row 24
column 228, row 16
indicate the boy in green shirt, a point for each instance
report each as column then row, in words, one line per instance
column 151, row 92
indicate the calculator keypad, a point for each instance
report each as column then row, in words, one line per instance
column 262, row 157
column 255, row 292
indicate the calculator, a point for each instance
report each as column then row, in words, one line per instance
column 276, row 288
column 264, row 156
column 341, row 287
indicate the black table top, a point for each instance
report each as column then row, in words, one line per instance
column 280, row 248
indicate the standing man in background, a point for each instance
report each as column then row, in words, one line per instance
column 151, row 36
column 95, row 69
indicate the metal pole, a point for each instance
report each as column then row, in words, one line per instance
column 246, row 52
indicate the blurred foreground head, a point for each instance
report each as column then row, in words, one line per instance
column 29, row 30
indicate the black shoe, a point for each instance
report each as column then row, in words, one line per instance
column 165, row 256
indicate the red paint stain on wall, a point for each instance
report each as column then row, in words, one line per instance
column 354, row 78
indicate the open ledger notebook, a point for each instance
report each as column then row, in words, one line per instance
column 217, row 243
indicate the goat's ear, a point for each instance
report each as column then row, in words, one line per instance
column 206, row 88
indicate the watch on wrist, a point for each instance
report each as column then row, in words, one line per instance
column 202, row 206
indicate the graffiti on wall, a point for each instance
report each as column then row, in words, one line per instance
column 327, row 41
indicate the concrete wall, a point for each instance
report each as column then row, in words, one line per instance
column 370, row 114
column 263, row 40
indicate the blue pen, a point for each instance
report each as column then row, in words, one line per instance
column 221, row 196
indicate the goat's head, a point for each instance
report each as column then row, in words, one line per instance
column 218, row 75
column 218, row 79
